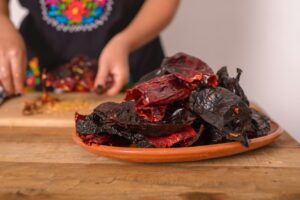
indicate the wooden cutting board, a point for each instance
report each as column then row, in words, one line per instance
column 61, row 115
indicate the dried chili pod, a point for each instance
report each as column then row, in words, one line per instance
column 85, row 125
column 124, row 116
column 105, row 139
column 261, row 124
column 76, row 76
column 212, row 104
column 183, row 138
column 213, row 135
column 186, row 68
column 98, row 139
column 231, row 83
column 179, row 115
column 189, row 68
column 153, row 113
column 224, row 112
column 157, row 92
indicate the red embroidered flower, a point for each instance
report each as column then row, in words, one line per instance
column 101, row 2
column 75, row 11
column 52, row 2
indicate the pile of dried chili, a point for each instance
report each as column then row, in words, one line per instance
column 78, row 75
column 183, row 103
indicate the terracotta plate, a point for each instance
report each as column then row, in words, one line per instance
column 180, row 154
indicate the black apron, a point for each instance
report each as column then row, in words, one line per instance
column 55, row 31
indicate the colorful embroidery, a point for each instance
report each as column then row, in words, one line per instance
column 33, row 75
column 76, row 15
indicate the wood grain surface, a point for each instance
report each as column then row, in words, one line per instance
column 44, row 163
column 11, row 111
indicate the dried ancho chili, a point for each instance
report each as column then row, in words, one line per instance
column 183, row 103
column 232, row 84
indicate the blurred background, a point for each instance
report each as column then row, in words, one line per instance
column 262, row 37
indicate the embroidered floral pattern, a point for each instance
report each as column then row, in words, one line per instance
column 76, row 15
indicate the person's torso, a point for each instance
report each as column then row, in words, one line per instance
column 57, row 30
column 68, row 27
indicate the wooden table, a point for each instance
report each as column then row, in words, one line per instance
column 44, row 163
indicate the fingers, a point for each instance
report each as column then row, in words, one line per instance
column 120, row 79
column 12, row 70
column 116, row 88
column 18, row 65
column 102, row 74
column 6, row 76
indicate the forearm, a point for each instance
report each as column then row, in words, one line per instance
column 153, row 17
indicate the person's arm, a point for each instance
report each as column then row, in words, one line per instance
column 152, row 18
column 12, row 54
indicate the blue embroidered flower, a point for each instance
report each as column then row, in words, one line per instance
column 62, row 19
column 98, row 11
column 88, row 20
column 53, row 7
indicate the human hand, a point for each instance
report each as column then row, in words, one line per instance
column 12, row 61
column 113, row 62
